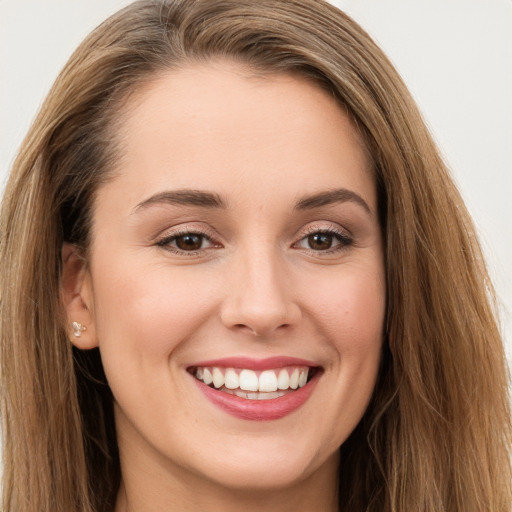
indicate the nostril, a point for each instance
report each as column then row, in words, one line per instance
column 247, row 328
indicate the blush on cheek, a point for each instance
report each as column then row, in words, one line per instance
column 354, row 313
column 155, row 313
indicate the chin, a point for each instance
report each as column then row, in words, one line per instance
column 264, row 471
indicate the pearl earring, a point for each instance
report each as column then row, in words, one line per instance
column 78, row 329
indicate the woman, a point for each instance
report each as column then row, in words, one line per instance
column 236, row 275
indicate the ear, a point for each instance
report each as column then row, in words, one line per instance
column 77, row 299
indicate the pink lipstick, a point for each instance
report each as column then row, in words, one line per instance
column 256, row 389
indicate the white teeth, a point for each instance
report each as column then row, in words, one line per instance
column 294, row 379
column 248, row 380
column 218, row 378
column 303, row 378
column 255, row 396
column 247, row 384
column 283, row 381
column 231, row 380
column 268, row 381
column 207, row 376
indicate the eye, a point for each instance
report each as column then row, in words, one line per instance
column 325, row 240
column 186, row 242
column 189, row 242
column 320, row 241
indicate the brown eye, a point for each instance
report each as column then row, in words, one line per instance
column 320, row 241
column 189, row 242
column 328, row 241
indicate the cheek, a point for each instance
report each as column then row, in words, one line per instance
column 149, row 309
column 349, row 312
column 351, row 307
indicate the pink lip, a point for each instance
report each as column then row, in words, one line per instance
column 258, row 410
column 256, row 364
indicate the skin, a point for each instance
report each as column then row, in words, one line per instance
column 256, row 287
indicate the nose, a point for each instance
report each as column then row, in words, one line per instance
column 259, row 297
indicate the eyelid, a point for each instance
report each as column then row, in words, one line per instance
column 326, row 226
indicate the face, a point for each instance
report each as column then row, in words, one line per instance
column 235, row 284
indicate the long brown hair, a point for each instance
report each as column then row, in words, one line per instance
column 437, row 434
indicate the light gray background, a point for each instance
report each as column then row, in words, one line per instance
column 455, row 55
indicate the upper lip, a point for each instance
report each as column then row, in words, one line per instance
column 249, row 363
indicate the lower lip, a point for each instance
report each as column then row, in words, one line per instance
column 258, row 410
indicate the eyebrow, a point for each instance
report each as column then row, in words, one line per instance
column 339, row 195
column 190, row 197
column 186, row 197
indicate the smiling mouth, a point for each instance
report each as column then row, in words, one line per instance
column 252, row 384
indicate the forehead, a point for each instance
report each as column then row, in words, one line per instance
column 221, row 125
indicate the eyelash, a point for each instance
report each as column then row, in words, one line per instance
column 168, row 240
column 343, row 239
